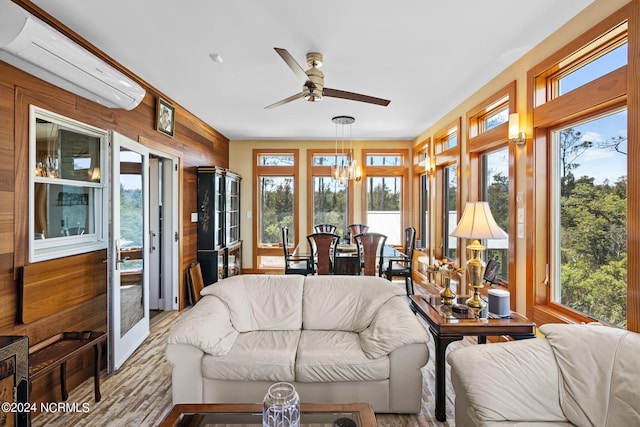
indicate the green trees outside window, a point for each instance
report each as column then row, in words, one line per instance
column 592, row 167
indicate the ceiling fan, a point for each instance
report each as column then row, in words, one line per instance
column 313, row 82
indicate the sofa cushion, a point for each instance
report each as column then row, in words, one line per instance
column 329, row 356
column 497, row 378
column 256, row 356
column 599, row 368
column 344, row 303
column 206, row 326
column 393, row 326
column 260, row 301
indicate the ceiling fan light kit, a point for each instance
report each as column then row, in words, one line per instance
column 312, row 80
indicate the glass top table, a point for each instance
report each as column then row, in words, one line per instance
column 250, row 415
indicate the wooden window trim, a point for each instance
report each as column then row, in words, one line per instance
column 444, row 134
column 260, row 171
column 445, row 158
column 424, row 149
column 485, row 142
column 539, row 306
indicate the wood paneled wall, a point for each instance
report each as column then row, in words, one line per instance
column 194, row 143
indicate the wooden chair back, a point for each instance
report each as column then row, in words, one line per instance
column 370, row 247
column 197, row 283
column 285, row 243
column 409, row 241
column 325, row 228
column 357, row 229
column 323, row 247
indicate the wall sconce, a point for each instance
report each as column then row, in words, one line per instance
column 516, row 137
column 428, row 164
column 431, row 166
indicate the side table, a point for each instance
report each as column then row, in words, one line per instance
column 447, row 326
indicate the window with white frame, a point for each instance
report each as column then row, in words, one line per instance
column 67, row 201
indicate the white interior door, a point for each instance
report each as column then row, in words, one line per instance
column 155, row 236
column 129, row 248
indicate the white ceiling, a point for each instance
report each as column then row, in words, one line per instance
column 426, row 56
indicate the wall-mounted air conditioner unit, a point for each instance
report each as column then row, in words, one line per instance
column 33, row 46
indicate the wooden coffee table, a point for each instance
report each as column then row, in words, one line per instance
column 447, row 326
column 250, row 414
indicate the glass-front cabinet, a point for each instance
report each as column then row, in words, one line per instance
column 219, row 245
column 232, row 206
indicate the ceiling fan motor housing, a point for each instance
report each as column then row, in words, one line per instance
column 314, row 60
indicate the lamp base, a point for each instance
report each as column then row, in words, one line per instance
column 475, row 301
column 475, row 269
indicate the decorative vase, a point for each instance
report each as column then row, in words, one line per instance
column 446, row 294
column 281, row 406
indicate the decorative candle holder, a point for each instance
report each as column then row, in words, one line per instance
column 281, row 406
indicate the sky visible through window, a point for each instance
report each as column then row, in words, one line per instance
column 601, row 164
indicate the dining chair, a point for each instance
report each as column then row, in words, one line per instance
column 294, row 264
column 370, row 247
column 402, row 266
column 357, row 229
column 324, row 228
column 323, row 247
column 196, row 282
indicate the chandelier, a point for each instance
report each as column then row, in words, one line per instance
column 346, row 168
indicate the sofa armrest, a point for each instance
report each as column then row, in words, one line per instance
column 206, row 325
column 393, row 326
column 515, row 381
column 186, row 373
column 405, row 377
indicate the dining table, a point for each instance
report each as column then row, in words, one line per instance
column 345, row 257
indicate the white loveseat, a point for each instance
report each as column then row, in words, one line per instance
column 578, row 375
column 335, row 338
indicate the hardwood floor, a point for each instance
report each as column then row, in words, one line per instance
column 139, row 394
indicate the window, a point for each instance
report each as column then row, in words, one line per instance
column 422, row 169
column 495, row 191
column 581, row 232
column 67, row 188
column 451, row 211
column 600, row 66
column 330, row 204
column 495, row 118
column 449, row 139
column 386, row 175
column 275, row 204
column 489, row 154
column 447, row 159
column 589, row 208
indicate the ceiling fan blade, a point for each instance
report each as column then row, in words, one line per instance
column 284, row 101
column 335, row 93
column 295, row 67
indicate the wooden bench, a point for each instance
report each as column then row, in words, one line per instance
column 46, row 356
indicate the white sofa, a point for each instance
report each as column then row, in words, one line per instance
column 578, row 375
column 335, row 338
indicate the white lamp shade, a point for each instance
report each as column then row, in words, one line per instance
column 514, row 125
column 477, row 223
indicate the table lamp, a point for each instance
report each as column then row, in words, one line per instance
column 477, row 223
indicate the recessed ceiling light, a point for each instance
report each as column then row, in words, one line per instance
column 215, row 57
